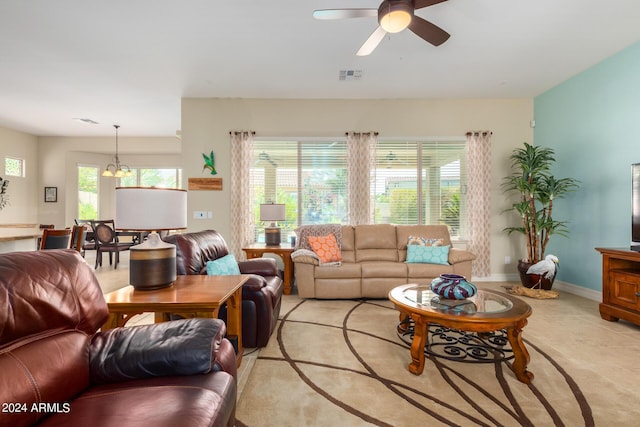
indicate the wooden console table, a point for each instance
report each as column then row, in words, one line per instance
column 620, row 285
column 284, row 251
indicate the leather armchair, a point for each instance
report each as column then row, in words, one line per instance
column 261, row 294
column 57, row 370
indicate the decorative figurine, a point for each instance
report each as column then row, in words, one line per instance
column 209, row 163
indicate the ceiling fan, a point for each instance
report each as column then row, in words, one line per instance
column 393, row 17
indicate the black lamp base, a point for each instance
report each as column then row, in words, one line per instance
column 152, row 266
column 272, row 236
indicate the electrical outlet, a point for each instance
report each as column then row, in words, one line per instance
column 507, row 259
column 209, row 214
column 199, row 214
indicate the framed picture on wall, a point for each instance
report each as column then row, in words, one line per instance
column 50, row 194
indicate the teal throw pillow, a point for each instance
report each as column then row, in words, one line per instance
column 428, row 254
column 224, row 266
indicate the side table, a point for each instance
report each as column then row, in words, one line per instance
column 194, row 295
column 284, row 251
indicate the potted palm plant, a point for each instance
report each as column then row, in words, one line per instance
column 537, row 189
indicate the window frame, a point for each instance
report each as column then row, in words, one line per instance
column 23, row 167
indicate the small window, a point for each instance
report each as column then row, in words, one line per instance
column 14, row 167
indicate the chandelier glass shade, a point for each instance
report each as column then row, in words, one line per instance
column 116, row 169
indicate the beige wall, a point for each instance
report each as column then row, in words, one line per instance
column 24, row 193
column 206, row 124
column 60, row 156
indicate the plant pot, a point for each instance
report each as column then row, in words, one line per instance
column 533, row 280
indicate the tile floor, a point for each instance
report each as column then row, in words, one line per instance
column 571, row 324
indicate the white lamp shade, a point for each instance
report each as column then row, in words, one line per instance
column 151, row 209
column 272, row 212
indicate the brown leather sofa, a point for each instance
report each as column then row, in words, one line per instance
column 261, row 294
column 56, row 370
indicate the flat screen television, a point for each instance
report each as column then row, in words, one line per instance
column 635, row 207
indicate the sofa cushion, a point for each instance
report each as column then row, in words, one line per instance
column 425, row 231
column 304, row 231
column 346, row 270
column 425, row 273
column 51, row 366
column 428, row 254
column 383, row 269
column 225, row 266
column 376, row 242
column 62, row 292
column 194, row 400
column 193, row 250
column 348, row 244
column 423, row 241
column 326, row 247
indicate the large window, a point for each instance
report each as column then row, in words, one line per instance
column 153, row 177
column 14, row 167
column 420, row 182
column 88, row 192
column 414, row 182
column 309, row 177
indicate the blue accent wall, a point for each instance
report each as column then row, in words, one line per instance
column 592, row 121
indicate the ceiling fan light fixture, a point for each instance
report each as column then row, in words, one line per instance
column 395, row 15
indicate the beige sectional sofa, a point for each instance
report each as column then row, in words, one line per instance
column 373, row 262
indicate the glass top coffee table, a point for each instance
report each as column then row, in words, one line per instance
column 475, row 328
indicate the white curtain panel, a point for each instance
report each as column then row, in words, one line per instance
column 478, row 185
column 241, row 193
column 361, row 160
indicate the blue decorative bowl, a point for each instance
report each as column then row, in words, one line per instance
column 453, row 286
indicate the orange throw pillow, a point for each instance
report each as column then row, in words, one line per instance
column 326, row 247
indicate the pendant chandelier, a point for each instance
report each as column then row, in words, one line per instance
column 117, row 170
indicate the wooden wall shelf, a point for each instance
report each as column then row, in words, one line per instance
column 205, row 184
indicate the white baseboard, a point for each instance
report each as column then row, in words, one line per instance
column 578, row 290
column 497, row 278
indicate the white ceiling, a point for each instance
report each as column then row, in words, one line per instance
column 131, row 61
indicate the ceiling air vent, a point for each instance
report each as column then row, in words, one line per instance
column 346, row 75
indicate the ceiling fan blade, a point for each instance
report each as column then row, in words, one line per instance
column 345, row 13
column 372, row 42
column 428, row 31
column 419, row 4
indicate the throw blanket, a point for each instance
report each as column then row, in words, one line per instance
column 305, row 231
column 306, row 253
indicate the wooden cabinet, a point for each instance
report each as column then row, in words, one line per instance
column 620, row 285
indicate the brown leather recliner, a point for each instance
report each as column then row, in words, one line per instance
column 261, row 294
column 56, row 370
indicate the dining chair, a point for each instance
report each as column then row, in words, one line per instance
column 89, row 242
column 43, row 227
column 55, row 239
column 78, row 233
column 106, row 240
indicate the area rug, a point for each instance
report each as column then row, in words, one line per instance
column 341, row 363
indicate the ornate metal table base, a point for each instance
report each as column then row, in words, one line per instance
column 460, row 346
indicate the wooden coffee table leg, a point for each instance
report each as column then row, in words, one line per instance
column 417, row 345
column 520, row 354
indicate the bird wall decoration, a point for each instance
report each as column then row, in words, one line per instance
column 209, row 163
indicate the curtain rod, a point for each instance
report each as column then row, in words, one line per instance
column 241, row 131
column 375, row 133
column 476, row 133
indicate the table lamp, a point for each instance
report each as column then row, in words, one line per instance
column 152, row 262
column 273, row 212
